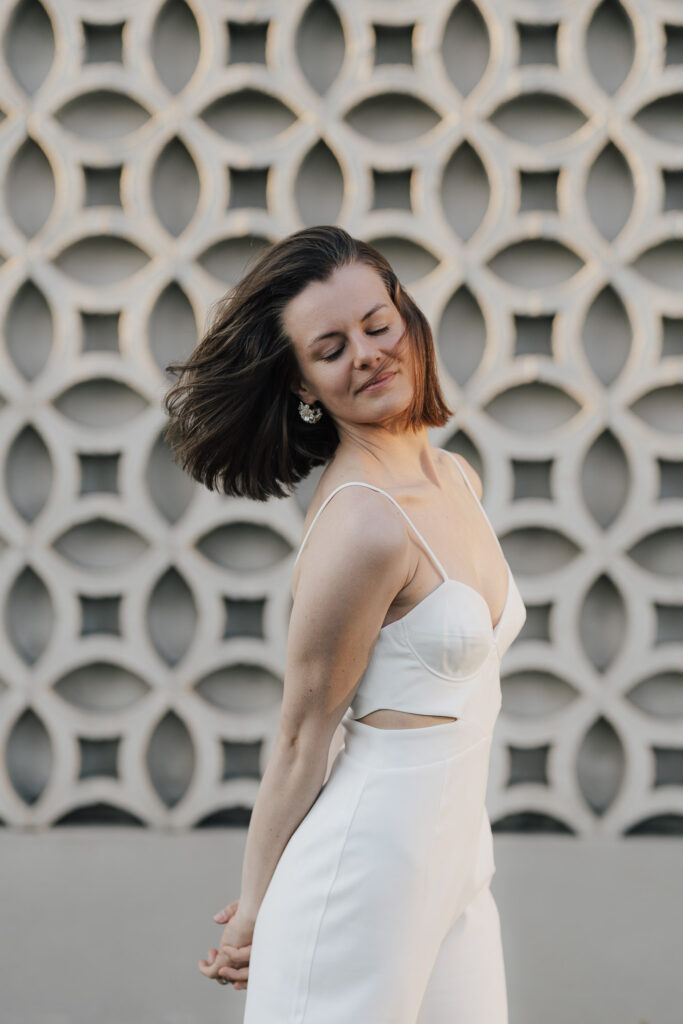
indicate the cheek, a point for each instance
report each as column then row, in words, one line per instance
column 402, row 351
column 401, row 342
column 337, row 381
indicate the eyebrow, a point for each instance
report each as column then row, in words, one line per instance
column 331, row 334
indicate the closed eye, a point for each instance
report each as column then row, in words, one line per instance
column 333, row 355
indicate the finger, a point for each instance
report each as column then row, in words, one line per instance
column 221, row 916
column 213, row 963
column 234, row 973
column 237, row 956
column 209, row 970
column 211, row 956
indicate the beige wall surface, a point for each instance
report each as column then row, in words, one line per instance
column 521, row 165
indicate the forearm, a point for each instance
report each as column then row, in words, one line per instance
column 291, row 782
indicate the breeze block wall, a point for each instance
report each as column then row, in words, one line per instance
column 521, row 164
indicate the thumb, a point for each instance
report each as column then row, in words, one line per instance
column 226, row 913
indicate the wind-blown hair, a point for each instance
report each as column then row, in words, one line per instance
column 233, row 416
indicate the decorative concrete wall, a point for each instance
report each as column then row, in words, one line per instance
column 521, row 164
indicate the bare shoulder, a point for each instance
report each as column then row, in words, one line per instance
column 353, row 564
column 358, row 530
column 472, row 474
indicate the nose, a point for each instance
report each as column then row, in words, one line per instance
column 366, row 350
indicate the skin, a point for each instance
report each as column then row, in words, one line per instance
column 396, row 572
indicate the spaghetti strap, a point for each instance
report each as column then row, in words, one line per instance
column 361, row 483
column 476, row 498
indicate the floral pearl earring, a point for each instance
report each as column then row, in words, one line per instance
column 308, row 413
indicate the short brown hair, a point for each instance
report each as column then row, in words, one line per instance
column 234, row 417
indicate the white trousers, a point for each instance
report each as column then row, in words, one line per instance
column 379, row 910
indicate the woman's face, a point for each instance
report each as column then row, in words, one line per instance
column 344, row 330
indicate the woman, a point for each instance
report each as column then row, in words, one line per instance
column 365, row 894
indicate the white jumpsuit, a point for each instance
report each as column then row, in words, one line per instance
column 379, row 910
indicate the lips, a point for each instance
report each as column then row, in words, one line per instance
column 379, row 377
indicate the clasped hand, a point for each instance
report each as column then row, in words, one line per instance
column 230, row 962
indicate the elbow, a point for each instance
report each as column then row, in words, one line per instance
column 308, row 740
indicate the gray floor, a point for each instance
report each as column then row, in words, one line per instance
column 107, row 925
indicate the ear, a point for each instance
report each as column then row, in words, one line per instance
column 305, row 395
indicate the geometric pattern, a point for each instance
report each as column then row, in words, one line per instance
column 521, row 166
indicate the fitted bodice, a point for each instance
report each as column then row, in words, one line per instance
column 443, row 656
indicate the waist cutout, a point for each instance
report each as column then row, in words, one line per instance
column 400, row 748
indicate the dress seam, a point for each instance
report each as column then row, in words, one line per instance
column 452, row 679
column 395, row 768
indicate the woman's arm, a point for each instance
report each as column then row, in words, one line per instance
column 291, row 782
column 357, row 560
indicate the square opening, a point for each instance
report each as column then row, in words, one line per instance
column 391, row 190
column 100, row 332
column 247, row 42
column 393, row 44
column 99, row 472
column 537, row 43
column 100, row 615
column 538, row 190
column 674, row 44
column 533, row 335
column 102, row 186
column 673, row 190
column 103, row 43
column 248, row 188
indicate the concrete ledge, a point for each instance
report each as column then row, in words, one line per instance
column 107, row 925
